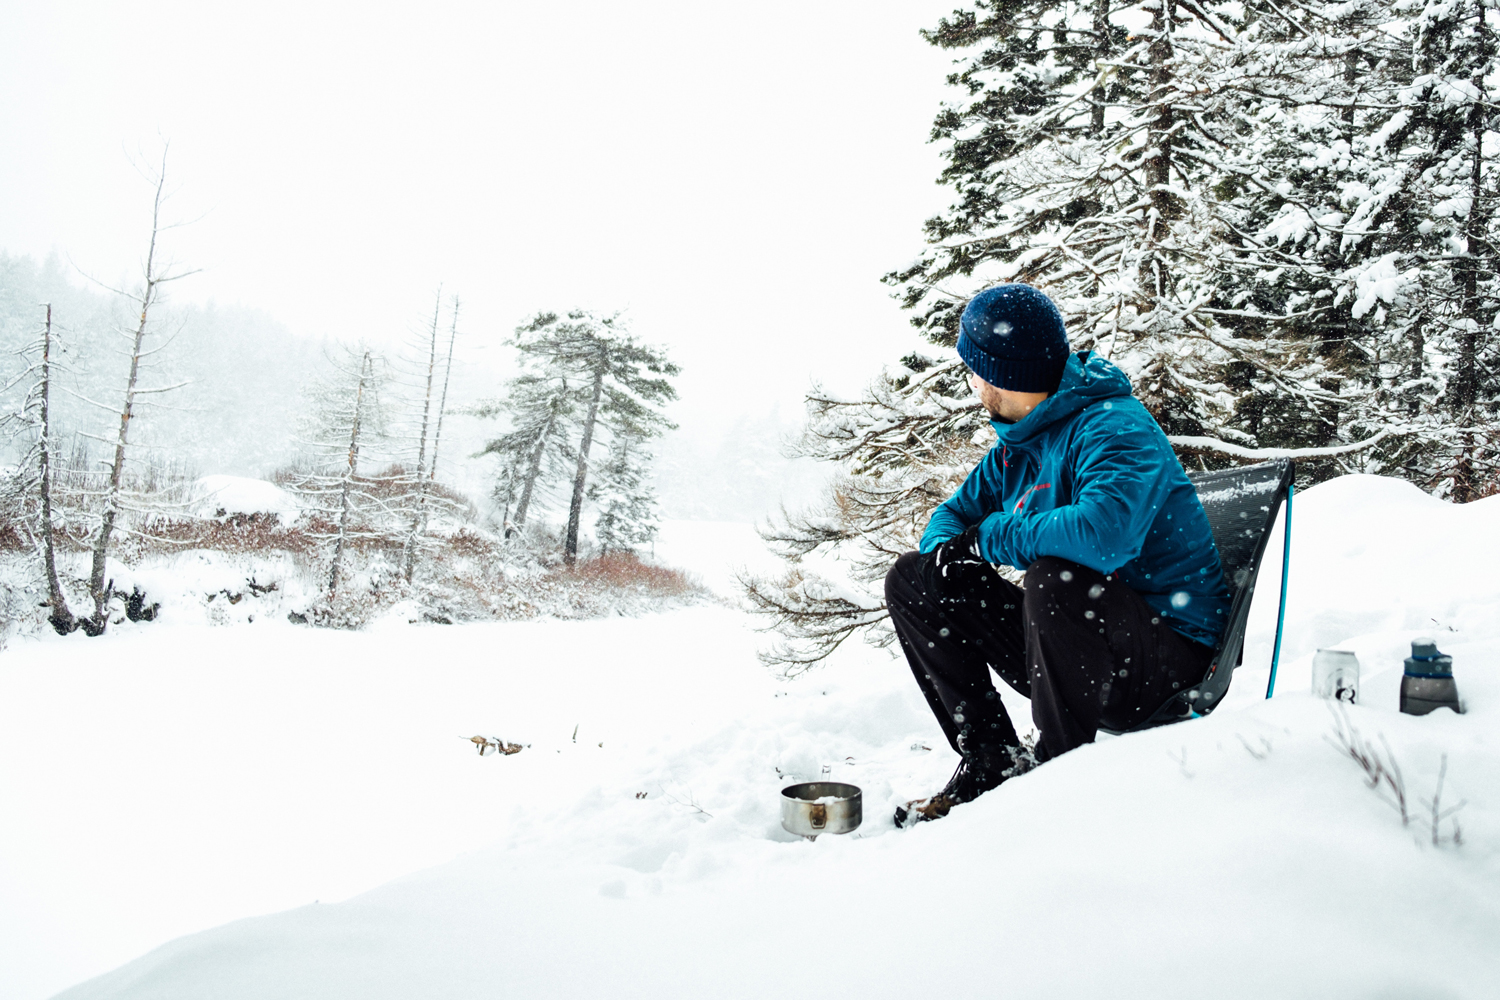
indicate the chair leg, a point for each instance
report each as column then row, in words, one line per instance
column 1286, row 560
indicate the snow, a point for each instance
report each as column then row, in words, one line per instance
column 217, row 496
column 714, row 551
column 194, row 780
column 1381, row 280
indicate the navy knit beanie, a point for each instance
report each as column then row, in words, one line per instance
column 1012, row 336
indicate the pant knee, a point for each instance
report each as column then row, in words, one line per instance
column 1050, row 579
column 901, row 587
column 1060, row 592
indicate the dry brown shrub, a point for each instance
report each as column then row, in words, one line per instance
column 470, row 543
column 11, row 540
column 234, row 533
column 625, row 571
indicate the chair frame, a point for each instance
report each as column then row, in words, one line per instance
column 1205, row 696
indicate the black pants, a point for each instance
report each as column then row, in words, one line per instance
column 1085, row 649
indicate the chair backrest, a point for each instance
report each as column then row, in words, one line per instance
column 1241, row 505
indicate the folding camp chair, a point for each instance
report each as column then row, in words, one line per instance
column 1241, row 505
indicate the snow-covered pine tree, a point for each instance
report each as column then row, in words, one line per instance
column 1379, row 230
column 624, row 495
column 1130, row 160
column 1310, row 364
column 1443, row 139
column 1071, row 155
column 631, row 383
column 538, row 407
column 619, row 387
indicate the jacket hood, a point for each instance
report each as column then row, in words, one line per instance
column 1087, row 378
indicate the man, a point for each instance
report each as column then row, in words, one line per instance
column 1124, row 599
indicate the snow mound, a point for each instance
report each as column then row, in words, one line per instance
column 633, row 848
column 220, row 496
column 1375, row 563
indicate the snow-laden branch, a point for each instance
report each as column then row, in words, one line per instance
column 1215, row 446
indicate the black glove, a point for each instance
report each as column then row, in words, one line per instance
column 951, row 561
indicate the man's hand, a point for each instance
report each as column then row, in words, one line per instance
column 951, row 560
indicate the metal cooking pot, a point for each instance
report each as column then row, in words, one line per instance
column 815, row 807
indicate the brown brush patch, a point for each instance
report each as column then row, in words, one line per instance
column 625, row 571
column 470, row 543
column 11, row 540
column 235, row 533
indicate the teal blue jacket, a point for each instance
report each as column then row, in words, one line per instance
column 1088, row 476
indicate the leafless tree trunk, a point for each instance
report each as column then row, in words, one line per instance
column 61, row 618
column 365, row 372
column 418, row 516
column 575, row 508
column 437, row 434
column 154, row 279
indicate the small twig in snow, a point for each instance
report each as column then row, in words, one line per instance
column 1181, row 761
column 1261, row 754
column 1439, row 813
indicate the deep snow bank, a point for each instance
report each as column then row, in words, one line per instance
column 1237, row 856
column 222, row 496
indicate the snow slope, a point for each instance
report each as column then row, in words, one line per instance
column 1237, row 856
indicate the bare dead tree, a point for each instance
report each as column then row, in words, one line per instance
column 419, row 512
column 26, row 493
column 61, row 616
column 437, row 434
column 366, row 374
column 155, row 277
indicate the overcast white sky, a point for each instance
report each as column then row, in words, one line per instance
column 737, row 175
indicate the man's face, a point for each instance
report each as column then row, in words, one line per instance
column 1004, row 404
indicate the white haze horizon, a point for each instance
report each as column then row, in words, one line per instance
column 735, row 182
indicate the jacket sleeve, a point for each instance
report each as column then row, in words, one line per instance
column 962, row 510
column 1120, row 482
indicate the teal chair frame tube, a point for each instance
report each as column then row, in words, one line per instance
column 1286, row 562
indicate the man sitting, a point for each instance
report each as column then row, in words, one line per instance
column 1124, row 599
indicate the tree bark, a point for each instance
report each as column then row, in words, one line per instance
column 437, row 434
column 1102, row 48
column 1159, row 166
column 418, row 516
column 97, row 588
column 1466, row 387
column 534, row 466
column 61, row 618
column 575, row 508
column 349, row 471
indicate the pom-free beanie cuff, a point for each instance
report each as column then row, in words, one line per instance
column 1017, row 375
column 1013, row 337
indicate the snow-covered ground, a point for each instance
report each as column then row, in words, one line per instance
column 170, row 778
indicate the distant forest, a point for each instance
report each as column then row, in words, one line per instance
column 244, row 370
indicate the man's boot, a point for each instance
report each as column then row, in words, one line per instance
column 979, row 771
